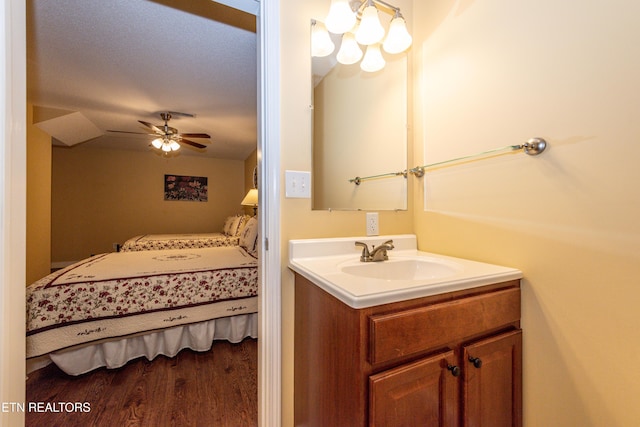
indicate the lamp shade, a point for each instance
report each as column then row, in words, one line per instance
column 370, row 30
column 350, row 51
column 321, row 43
column 398, row 40
column 340, row 18
column 251, row 199
column 373, row 60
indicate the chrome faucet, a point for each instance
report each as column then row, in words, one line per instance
column 376, row 254
column 365, row 257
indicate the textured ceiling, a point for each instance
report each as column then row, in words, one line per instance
column 120, row 61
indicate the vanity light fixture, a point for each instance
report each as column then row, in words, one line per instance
column 373, row 60
column 359, row 23
column 350, row 51
column 370, row 30
column 321, row 43
column 341, row 17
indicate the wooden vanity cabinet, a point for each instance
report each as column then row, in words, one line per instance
column 449, row 360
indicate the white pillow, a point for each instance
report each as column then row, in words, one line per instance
column 227, row 225
column 249, row 237
column 243, row 223
column 235, row 225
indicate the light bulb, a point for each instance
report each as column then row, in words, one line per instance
column 321, row 44
column 166, row 147
column 174, row 146
column 370, row 30
column 157, row 143
column 350, row 51
column 340, row 18
column 398, row 40
column 373, row 60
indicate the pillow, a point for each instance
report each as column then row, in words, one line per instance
column 232, row 225
column 249, row 237
column 243, row 222
column 235, row 225
column 227, row 225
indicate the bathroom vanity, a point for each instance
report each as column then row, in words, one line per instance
column 449, row 355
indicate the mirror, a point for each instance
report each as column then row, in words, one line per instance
column 359, row 130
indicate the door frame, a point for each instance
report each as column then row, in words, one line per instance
column 269, row 273
column 13, row 210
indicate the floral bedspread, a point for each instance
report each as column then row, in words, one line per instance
column 148, row 242
column 125, row 285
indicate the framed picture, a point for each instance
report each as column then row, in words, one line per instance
column 190, row 188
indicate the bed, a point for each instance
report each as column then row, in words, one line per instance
column 230, row 236
column 115, row 307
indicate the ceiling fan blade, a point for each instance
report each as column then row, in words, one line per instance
column 155, row 128
column 125, row 131
column 195, row 135
column 195, row 144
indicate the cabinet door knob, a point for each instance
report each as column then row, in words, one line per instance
column 476, row 361
column 455, row 371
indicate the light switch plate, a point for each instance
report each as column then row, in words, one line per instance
column 297, row 184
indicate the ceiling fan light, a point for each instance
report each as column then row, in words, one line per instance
column 370, row 30
column 157, row 143
column 166, row 147
column 398, row 40
column 174, row 146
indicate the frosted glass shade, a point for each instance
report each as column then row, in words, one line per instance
column 373, row 60
column 340, row 18
column 321, row 43
column 370, row 30
column 350, row 51
column 398, row 40
column 157, row 143
column 174, row 146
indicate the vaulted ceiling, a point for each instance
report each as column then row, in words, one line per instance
column 96, row 65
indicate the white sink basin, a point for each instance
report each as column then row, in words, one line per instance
column 334, row 265
column 404, row 269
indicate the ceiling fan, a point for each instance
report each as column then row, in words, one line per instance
column 168, row 138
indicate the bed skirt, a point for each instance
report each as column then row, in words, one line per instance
column 168, row 342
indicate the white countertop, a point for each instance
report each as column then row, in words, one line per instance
column 324, row 262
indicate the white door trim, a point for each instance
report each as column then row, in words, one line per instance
column 269, row 338
column 13, row 170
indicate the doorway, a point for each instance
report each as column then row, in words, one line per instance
column 13, row 195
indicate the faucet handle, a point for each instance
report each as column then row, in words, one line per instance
column 365, row 252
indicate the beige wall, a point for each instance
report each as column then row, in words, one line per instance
column 38, row 201
column 494, row 73
column 297, row 220
column 101, row 197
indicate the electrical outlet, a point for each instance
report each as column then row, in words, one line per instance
column 297, row 184
column 372, row 223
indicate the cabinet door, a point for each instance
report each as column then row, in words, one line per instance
column 492, row 386
column 422, row 393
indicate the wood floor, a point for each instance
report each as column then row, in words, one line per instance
column 214, row 388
